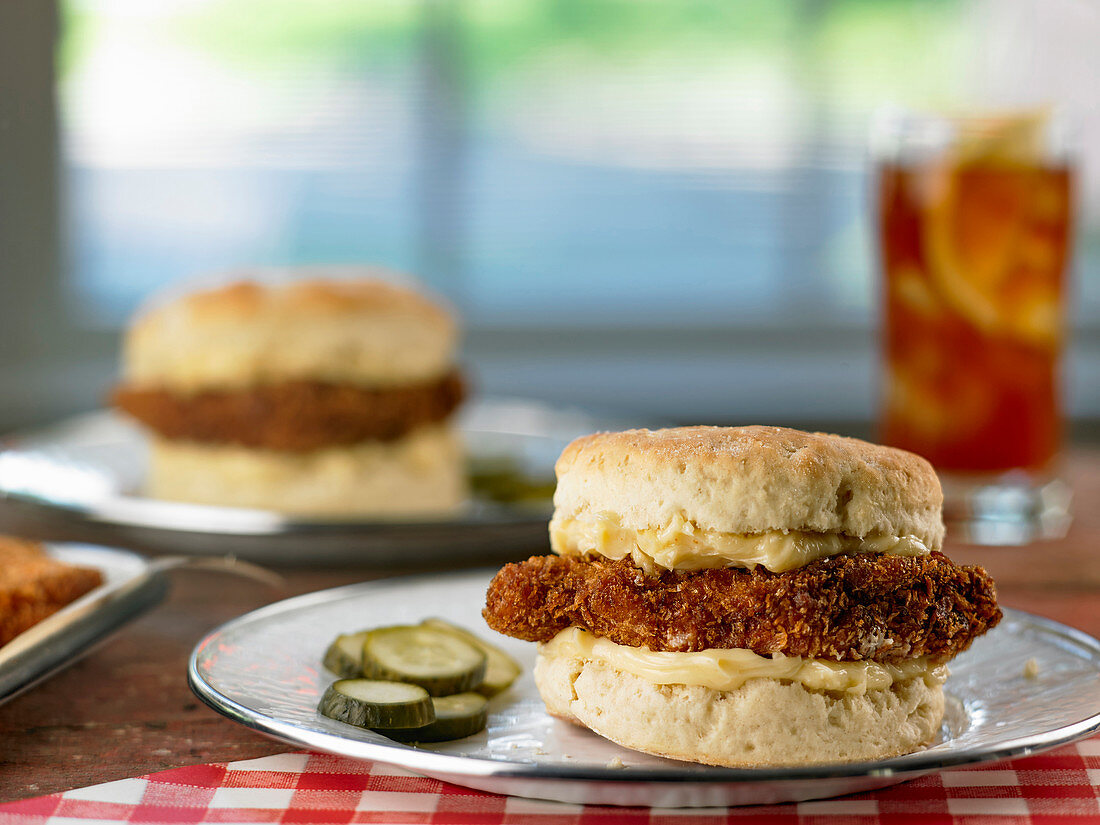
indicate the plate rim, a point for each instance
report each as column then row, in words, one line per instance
column 431, row 762
column 126, row 510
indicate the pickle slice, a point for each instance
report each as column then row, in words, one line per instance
column 344, row 656
column 439, row 662
column 500, row 670
column 456, row 717
column 369, row 703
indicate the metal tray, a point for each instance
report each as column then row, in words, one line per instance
column 81, row 480
column 264, row 671
column 131, row 585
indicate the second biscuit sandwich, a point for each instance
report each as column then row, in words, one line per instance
column 745, row 596
column 319, row 396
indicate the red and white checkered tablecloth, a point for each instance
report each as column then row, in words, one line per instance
column 1059, row 787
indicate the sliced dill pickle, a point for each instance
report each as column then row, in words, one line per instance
column 456, row 717
column 500, row 670
column 369, row 703
column 344, row 656
column 439, row 662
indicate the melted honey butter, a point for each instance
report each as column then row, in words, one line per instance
column 682, row 546
column 728, row 669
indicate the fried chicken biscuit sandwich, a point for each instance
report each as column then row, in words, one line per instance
column 318, row 396
column 745, row 596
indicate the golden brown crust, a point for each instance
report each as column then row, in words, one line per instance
column 364, row 330
column 293, row 416
column 243, row 301
column 750, row 480
column 879, row 607
column 34, row 586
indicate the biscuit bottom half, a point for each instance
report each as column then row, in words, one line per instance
column 420, row 474
column 765, row 721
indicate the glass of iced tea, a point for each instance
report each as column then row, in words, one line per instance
column 974, row 224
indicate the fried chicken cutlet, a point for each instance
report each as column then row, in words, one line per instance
column 879, row 607
column 295, row 415
column 34, row 585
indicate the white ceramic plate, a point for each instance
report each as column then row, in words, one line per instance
column 264, row 671
column 81, row 480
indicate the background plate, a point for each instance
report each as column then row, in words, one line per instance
column 264, row 670
column 81, row 480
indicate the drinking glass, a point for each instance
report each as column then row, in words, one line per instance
column 974, row 224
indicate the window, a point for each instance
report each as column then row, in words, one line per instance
column 632, row 204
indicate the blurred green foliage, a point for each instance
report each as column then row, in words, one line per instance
column 79, row 30
column 863, row 40
column 322, row 32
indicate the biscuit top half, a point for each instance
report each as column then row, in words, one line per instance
column 364, row 331
column 696, row 487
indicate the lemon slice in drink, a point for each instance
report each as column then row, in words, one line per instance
column 995, row 232
column 1016, row 137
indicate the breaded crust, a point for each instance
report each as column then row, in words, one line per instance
column 362, row 329
column 749, row 480
column 34, row 586
column 879, row 607
column 293, row 416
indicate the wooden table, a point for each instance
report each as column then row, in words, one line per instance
column 126, row 710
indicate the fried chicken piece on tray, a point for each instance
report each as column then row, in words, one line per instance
column 33, row 585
